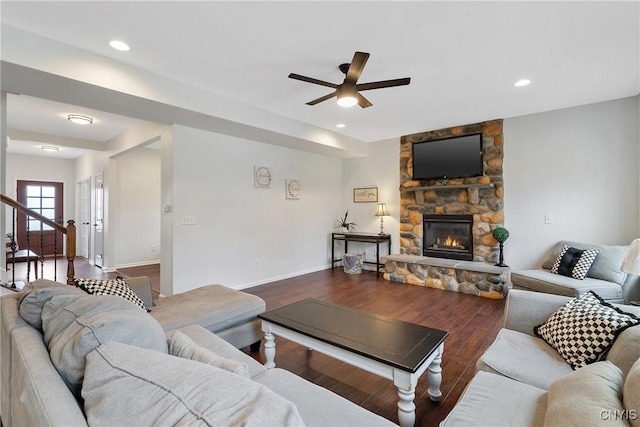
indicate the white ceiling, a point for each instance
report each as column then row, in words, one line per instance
column 462, row 57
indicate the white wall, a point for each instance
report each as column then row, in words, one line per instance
column 36, row 168
column 380, row 169
column 106, row 163
column 137, row 224
column 238, row 224
column 580, row 165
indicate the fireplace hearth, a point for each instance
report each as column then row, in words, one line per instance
column 448, row 236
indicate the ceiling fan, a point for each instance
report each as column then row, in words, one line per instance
column 348, row 93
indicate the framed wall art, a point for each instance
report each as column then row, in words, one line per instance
column 365, row 195
column 261, row 177
column 292, row 188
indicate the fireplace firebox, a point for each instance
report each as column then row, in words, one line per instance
column 448, row 236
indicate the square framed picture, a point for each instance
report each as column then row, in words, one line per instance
column 292, row 188
column 365, row 195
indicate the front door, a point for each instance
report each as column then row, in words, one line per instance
column 46, row 199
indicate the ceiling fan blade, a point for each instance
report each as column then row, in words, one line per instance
column 322, row 98
column 362, row 101
column 355, row 69
column 384, row 83
column 312, row 80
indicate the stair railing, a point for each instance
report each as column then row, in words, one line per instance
column 69, row 231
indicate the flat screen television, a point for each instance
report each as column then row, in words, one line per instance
column 457, row 157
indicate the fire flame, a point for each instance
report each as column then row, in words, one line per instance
column 451, row 242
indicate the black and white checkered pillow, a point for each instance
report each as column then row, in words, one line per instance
column 573, row 262
column 584, row 329
column 116, row 287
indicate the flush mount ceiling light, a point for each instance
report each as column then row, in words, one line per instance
column 521, row 83
column 49, row 148
column 119, row 45
column 341, row 125
column 79, row 119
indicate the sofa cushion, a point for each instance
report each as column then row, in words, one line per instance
column 590, row 396
column 214, row 307
column 583, row 329
column 494, row 400
column 151, row 388
column 625, row 351
column 39, row 292
column 116, row 287
column 182, row 346
column 317, row 405
column 74, row 325
column 631, row 394
column 524, row 358
column 573, row 262
column 216, row 344
column 544, row 281
column 605, row 267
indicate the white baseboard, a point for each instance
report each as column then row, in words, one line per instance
column 138, row 264
column 275, row 279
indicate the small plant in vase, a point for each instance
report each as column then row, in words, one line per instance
column 344, row 224
column 501, row 234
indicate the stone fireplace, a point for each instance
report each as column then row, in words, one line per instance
column 448, row 236
column 480, row 197
column 446, row 225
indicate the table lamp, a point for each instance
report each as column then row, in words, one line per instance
column 631, row 263
column 382, row 212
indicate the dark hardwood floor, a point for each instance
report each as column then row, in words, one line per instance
column 472, row 322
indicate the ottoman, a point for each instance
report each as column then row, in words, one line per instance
column 229, row 313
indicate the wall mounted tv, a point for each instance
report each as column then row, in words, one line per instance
column 456, row 157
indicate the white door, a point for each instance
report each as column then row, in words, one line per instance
column 98, row 237
column 85, row 217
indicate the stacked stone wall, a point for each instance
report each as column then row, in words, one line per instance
column 480, row 196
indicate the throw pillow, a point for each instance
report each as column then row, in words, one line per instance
column 36, row 294
column 573, row 262
column 590, row 396
column 117, row 287
column 584, row 329
column 126, row 385
column 74, row 325
column 182, row 346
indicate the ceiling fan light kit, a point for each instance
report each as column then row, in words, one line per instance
column 348, row 93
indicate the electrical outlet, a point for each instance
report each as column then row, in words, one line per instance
column 548, row 219
column 190, row 219
column 154, row 248
column 256, row 263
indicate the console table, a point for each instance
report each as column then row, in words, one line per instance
column 347, row 237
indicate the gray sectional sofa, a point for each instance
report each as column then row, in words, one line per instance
column 73, row 359
column 522, row 381
column 604, row 277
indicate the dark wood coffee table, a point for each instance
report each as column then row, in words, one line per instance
column 391, row 348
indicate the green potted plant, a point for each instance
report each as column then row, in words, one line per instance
column 344, row 224
column 501, row 234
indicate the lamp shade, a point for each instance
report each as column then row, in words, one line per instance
column 631, row 263
column 382, row 210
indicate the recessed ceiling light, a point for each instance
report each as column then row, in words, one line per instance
column 49, row 148
column 340, row 125
column 522, row 82
column 79, row 119
column 119, row 45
